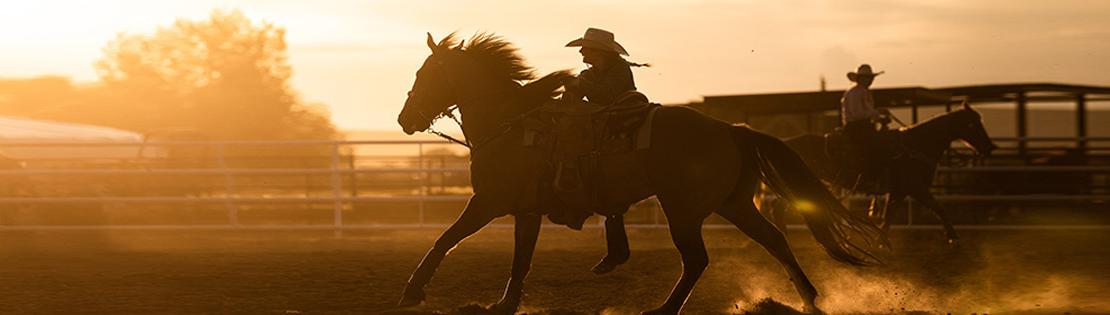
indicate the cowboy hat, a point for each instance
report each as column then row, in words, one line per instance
column 599, row 39
column 863, row 71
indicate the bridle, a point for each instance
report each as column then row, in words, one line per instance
column 448, row 113
column 440, row 69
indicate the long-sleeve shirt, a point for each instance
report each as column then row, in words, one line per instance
column 605, row 86
column 857, row 104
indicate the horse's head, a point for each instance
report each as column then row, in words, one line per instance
column 971, row 131
column 487, row 69
column 434, row 91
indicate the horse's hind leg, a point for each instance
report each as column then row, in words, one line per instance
column 926, row 198
column 473, row 218
column 743, row 213
column 894, row 202
column 616, row 241
column 527, row 230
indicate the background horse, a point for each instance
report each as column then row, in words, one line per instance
column 695, row 166
column 920, row 148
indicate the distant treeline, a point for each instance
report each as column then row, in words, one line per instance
column 224, row 78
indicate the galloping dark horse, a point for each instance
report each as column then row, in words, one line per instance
column 912, row 171
column 695, row 166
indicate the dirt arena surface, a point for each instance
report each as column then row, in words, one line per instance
column 283, row 272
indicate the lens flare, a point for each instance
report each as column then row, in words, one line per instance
column 805, row 206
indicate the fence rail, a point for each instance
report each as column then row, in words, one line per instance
column 337, row 183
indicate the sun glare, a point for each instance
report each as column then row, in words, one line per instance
column 805, row 206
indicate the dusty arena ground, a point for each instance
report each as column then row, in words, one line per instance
column 280, row 272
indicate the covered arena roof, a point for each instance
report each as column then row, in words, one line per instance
column 25, row 138
column 14, row 129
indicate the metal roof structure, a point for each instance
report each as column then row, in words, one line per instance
column 17, row 132
column 738, row 108
column 904, row 97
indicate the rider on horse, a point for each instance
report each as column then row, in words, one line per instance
column 609, row 77
column 607, row 82
column 859, row 116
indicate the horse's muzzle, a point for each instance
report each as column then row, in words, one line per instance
column 412, row 128
column 410, row 125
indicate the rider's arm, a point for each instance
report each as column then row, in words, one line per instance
column 572, row 89
column 867, row 103
column 610, row 83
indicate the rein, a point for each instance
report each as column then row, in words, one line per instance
column 895, row 119
column 475, row 145
column 449, row 113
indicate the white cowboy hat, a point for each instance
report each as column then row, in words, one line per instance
column 599, row 39
column 863, row 71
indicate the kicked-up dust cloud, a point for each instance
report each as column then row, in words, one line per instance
column 994, row 278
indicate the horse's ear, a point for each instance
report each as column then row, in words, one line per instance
column 432, row 43
column 967, row 107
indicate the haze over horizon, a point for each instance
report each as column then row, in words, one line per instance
column 359, row 57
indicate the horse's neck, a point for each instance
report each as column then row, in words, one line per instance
column 930, row 138
column 491, row 106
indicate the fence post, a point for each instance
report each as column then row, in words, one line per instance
column 336, row 190
column 909, row 212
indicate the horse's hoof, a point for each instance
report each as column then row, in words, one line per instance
column 812, row 309
column 603, row 268
column 503, row 308
column 607, row 265
column 659, row 311
column 411, row 297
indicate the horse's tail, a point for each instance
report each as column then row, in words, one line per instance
column 836, row 229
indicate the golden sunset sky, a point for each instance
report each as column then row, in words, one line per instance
column 359, row 57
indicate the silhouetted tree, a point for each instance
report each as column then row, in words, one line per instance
column 225, row 76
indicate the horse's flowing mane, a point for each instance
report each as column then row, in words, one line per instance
column 501, row 58
column 493, row 52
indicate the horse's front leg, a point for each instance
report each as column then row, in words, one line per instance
column 527, row 230
column 616, row 241
column 686, row 234
column 926, row 199
column 474, row 217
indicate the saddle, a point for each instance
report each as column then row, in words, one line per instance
column 575, row 137
column 837, row 145
column 851, row 157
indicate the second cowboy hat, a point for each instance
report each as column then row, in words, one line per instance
column 864, row 70
column 599, row 39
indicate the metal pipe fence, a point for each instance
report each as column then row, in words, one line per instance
column 277, row 177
